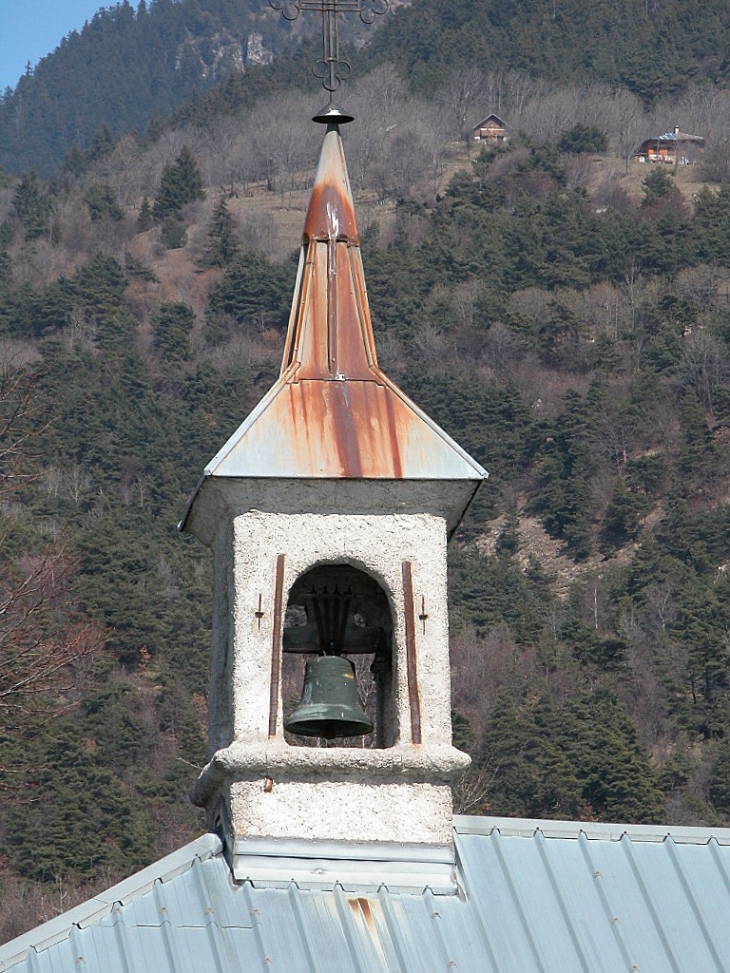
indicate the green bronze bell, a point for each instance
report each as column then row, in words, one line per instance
column 329, row 706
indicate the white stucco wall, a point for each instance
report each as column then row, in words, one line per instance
column 398, row 794
column 375, row 544
column 411, row 812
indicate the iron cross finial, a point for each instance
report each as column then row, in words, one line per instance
column 331, row 70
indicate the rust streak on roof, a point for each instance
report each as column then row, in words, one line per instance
column 332, row 412
column 331, row 210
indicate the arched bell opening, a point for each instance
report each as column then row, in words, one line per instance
column 337, row 664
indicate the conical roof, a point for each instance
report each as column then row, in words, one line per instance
column 332, row 413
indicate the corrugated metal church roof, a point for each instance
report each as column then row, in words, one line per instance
column 534, row 897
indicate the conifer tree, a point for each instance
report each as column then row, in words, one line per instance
column 146, row 219
column 657, row 185
column 173, row 325
column 102, row 203
column 173, row 234
column 181, row 183
column 32, row 205
column 720, row 781
column 223, row 244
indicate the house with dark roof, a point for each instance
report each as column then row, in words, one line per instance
column 491, row 129
column 328, row 512
column 671, row 147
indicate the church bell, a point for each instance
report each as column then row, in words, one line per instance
column 329, row 706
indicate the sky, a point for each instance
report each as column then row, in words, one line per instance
column 30, row 29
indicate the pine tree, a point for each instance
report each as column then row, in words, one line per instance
column 522, row 748
column 146, row 219
column 720, row 781
column 32, row 205
column 657, row 185
column 102, row 202
column 173, row 234
column 173, row 325
column 223, row 244
column 600, row 741
column 181, row 183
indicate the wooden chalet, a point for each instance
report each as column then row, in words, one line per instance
column 673, row 147
column 491, row 129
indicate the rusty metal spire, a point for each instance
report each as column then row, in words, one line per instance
column 331, row 70
column 333, row 413
column 330, row 335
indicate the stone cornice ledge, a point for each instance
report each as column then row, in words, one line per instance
column 433, row 763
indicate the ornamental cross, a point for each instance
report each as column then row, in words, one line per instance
column 331, row 70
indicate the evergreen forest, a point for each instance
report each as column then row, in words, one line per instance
column 560, row 310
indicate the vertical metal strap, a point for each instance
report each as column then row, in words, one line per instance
column 410, row 620
column 276, row 646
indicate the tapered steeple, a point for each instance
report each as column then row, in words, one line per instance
column 333, row 413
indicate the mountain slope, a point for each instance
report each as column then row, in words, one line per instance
column 127, row 66
column 651, row 46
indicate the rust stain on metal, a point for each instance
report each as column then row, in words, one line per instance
column 329, row 202
column 355, row 341
column 292, row 353
column 344, row 428
column 363, row 307
column 333, row 412
column 333, row 319
column 360, row 905
column 330, row 340
column 340, row 404
column 331, row 210
column 348, row 429
column 309, row 332
column 276, row 645
column 410, row 626
column 392, row 431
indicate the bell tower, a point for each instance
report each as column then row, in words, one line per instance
column 328, row 512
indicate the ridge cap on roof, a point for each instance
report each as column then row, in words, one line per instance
column 608, row 831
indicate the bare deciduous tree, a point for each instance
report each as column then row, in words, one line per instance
column 706, row 365
column 700, row 285
column 122, row 170
column 37, row 655
column 554, row 112
column 509, row 93
column 629, row 125
column 716, row 161
column 380, row 103
column 460, row 96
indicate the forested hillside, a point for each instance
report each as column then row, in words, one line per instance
column 563, row 314
column 128, row 69
column 651, row 46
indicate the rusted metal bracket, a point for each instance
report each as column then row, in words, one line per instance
column 423, row 616
column 412, row 673
column 276, row 646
